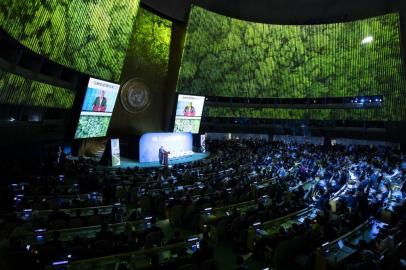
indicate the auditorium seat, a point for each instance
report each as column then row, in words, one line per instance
column 176, row 217
column 48, row 254
column 153, row 239
column 102, row 245
column 57, row 224
column 94, row 220
column 9, row 226
column 191, row 217
column 146, row 205
column 220, row 231
column 76, row 222
column 208, row 265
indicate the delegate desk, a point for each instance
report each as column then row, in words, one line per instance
column 259, row 187
column 42, row 235
column 389, row 207
column 336, row 196
column 27, row 214
column 332, row 255
column 95, row 196
column 91, row 199
column 271, row 228
column 394, row 199
column 211, row 216
column 168, row 255
column 306, row 185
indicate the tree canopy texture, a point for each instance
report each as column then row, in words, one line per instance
column 91, row 36
column 224, row 56
column 17, row 90
column 150, row 43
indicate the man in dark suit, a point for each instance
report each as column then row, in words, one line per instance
column 161, row 155
column 100, row 103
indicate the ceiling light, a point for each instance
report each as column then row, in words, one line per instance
column 367, row 39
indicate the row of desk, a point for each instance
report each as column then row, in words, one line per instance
column 89, row 232
column 332, row 255
column 27, row 214
column 167, row 255
column 271, row 228
column 210, row 215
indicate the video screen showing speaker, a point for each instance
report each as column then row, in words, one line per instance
column 189, row 111
column 98, row 106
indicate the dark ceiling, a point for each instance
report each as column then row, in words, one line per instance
column 281, row 11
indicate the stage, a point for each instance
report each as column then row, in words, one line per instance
column 130, row 163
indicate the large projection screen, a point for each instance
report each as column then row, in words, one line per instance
column 189, row 111
column 89, row 36
column 98, row 106
column 229, row 57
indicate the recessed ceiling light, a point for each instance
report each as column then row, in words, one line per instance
column 367, row 39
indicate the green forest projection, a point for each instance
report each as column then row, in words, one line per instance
column 17, row 90
column 300, row 114
column 92, row 126
column 228, row 57
column 150, row 43
column 87, row 35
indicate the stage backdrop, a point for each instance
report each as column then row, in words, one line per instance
column 172, row 142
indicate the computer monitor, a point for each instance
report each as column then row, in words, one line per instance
column 194, row 243
column 148, row 222
column 60, row 265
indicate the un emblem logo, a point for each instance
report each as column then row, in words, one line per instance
column 135, row 96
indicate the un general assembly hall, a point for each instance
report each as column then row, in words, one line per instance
column 202, row 135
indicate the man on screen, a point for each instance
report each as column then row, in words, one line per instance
column 100, row 103
column 189, row 110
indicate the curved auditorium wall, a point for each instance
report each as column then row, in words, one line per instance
column 17, row 90
column 89, row 36
column 306, row 114
column 224, row 56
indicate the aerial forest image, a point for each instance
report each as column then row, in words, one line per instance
column 150, row 42
column 17, row 90
column 92, row 126
column 89, row 36
column 224, row 56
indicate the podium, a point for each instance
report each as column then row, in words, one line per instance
column 165, row 158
